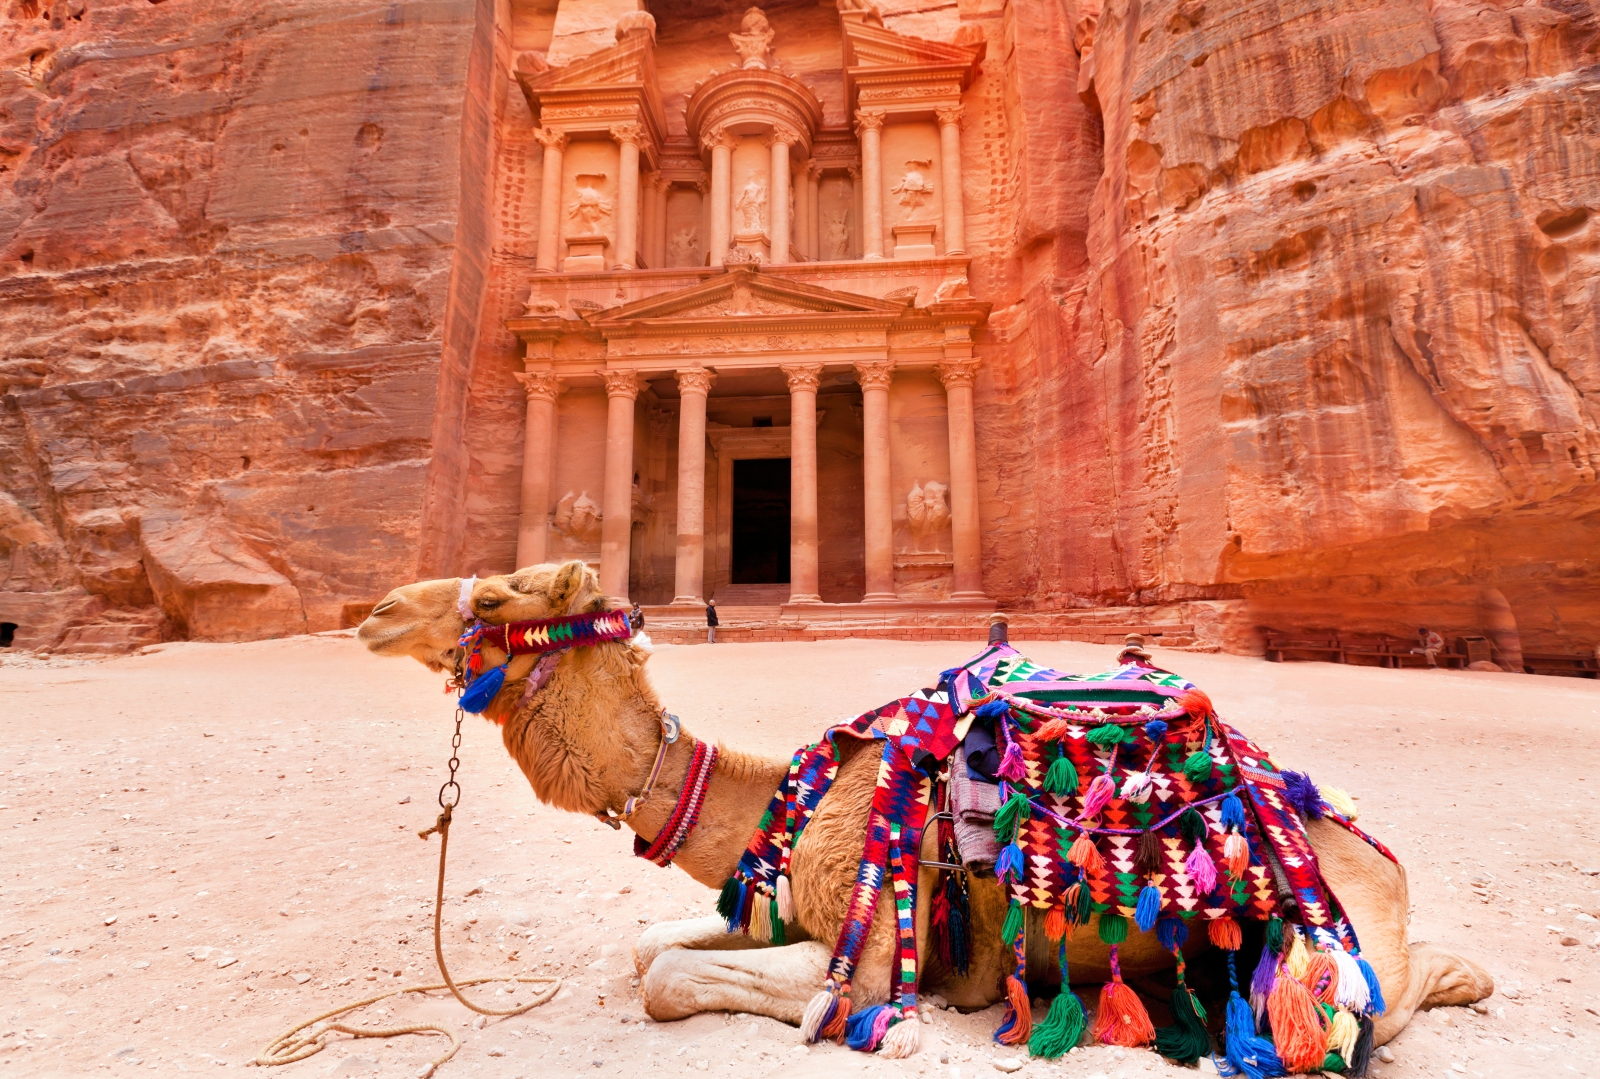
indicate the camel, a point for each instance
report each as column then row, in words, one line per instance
column 587, row 740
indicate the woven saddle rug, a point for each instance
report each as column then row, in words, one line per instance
column 1126, row 802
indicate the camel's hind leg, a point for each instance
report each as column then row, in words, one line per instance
column 699, row 934
column 762, row 981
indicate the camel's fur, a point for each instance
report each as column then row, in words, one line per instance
column 587, row 740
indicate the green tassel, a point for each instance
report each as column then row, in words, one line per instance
column 1113, row 927
column 1060, row 1029
column 1085, row 904
column 728, row 899
column 1062, row 778
column 778, row 934
column 1192, row 825
column 1334, row 1063
column 1013, row 924
column 1275, row 935
column 1198, row 767
column 1186, row 1040
column 1014, row 812
column 1110, row 734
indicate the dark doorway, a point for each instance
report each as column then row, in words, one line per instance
column 761, row 521
column 8, row 633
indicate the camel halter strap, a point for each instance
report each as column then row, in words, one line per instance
column 535, row 637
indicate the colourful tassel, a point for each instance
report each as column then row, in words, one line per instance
column 1156, row 730
column 1055, row 925
column 1225, row 934
column 1113, row 927
column 993, row 710
column 1052, row 730
column 1202, row 870
column 859, row 1033
column 1109, row 734
column 1018, row 1021
column 1009, row 866
column 1352, row 992
column 1191, row 825
column 1246, row 1050
column 1296, row 1026
column 903, row 1039
column 819, row 1009
column 1147, row 858
column 1232, row 812
column 838, row 1021
column 1275, row 934
column 1303, row 794
column 1186, row 1040
column 1261, row 983
column 728, row 902
column 1148, row 909
column 1098, row 794
column 1171, row 933
column 1085, row 855
column 1137, row 787
column 1196, row 703
column 1061, row 1027
column 1197, row 769
column 1236, row 855
column 1121, row 1018
column 1012, row 928
column 780, row 934
column 1062, row 777
column 481, row 692
column 1343, row 1033
column 1340, row 802
column 1012, row 766
column 1298, row 958
column 1361, row 1055
column 785, row 898
column 1375, row 1003
column 1085, row 905
column 1009, row 817
column 1322, row 978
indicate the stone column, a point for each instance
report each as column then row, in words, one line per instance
column 874, row 377
column 955, row 228
column 813, row 233
column 538, row 456
column 658, row 225
column 803, row 540
column 694, row 386
column 957, row 376
column 721, row 145
column 627, row 136
column 868, row 125
column 616, row 509
column 548, row 255
column 778, row 195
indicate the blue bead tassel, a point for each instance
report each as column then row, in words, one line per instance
column 483, row 689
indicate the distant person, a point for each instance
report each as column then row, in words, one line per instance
column 636, row 618
column 711, row 621
column 1431, row 644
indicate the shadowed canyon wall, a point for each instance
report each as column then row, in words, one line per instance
column 1294, row 304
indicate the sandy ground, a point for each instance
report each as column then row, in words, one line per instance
column 202, row 846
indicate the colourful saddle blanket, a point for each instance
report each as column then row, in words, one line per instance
column 1124, row 801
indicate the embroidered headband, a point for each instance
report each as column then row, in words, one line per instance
column 548, row 634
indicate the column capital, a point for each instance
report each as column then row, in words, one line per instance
column 660, row 183
column 802, row 376
column 874, row 374
column 718, row 137
column 953, row 373
column 550, row 139
column 813, row 171
column 621, row 383
column 696, row 380
column 949, row 114
column 540, row 385
column 780, row 134
column 630, row 133
column 869, row 120
column 854, row 172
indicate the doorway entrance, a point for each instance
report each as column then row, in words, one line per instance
column 760, row 534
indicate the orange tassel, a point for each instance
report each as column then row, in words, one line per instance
column 1085, row 855
column 1121, row 1019
column 1055, row 924
column 1322, row 977
column 1017, row 997
column 1236, row 855
column 1052, row 730
column 1296, row 1026
column 1225, row 934
column 835, row 1027
column 1196, row 703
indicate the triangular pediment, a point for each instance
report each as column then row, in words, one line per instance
column 747, row 294
column 869, row 46
column 630, row 62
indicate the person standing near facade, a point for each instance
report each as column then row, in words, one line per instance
column 636, row 618
column 711, row 621
column 1431, row 644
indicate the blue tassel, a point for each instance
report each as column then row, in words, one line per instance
column 858, row 1028
column 1245, row 1049
column 1171, row 933
column 1156, row 729
column 1148, row 908
column 1232, row 812
column 1303, row 794
column 1010, row 864
column 1377, row 1006
column 482, row 690
column 993, row 710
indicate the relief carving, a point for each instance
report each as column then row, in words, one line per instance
column 752, row 204
column 838, row 235
column 753, row 43
column 577, row 517
column 589, row 209
column 914, row 188
column 928, row 510
column 684, row 247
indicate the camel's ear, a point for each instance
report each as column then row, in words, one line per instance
column 572, row 588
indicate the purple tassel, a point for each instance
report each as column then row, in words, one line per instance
column 1266, row 976
column 1303, row 794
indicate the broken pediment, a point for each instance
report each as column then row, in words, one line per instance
column 618, row 83
column 867, row 47
column 747, row 293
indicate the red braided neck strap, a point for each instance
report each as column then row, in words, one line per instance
column 686, row 813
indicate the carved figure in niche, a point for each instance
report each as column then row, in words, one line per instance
column 752, row 203
column 590, row 208
column 684, row 247
column 577, row 517
column 914, row 188
column 839, row 235
column 754, row 40
column 928, row 510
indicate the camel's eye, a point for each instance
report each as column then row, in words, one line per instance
column 488, row 604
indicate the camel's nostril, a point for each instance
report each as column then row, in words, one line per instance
column 386, row 605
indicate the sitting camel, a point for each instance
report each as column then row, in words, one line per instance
column 587, row 741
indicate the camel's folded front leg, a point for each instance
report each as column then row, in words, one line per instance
column 709, row 933
column 763, row 981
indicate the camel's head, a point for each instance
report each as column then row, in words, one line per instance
column 547, row 591
column 417, row 620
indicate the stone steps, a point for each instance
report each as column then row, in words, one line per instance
column 751, row 595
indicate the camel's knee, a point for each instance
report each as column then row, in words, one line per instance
column 668, row 986
column 1452, row 979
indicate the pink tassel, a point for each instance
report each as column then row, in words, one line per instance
column 1011, row 765
column 1201, row 869
column 1099, row 793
